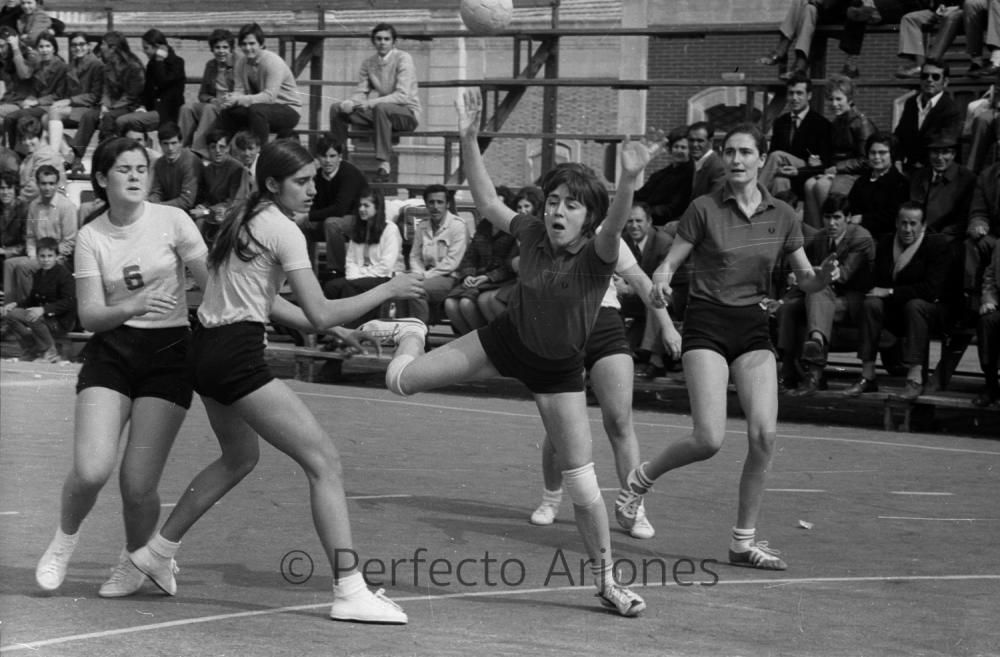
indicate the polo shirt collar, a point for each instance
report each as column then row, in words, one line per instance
column 766, row 199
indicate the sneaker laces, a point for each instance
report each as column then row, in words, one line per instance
column 380, row 594
column 620, row 597
column 60, row 557
column 628, row 503
column 119, row 572
column 763, row 547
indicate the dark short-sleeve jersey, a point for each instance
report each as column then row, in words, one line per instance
column 733, row 254
column 555, row 304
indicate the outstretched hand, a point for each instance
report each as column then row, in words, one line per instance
column 406, row 286
column 637, row 154
column 469, row 104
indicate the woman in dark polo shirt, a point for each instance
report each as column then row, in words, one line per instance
column 734, row 237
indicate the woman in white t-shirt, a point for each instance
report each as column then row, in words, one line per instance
column 130, row 262
column 257, row 249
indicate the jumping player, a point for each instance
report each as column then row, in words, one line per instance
column 541, row 339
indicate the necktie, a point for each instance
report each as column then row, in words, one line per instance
column 795, row 128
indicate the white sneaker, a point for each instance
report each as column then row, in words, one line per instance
column 368, row 607
column 545, row 514
column 642, row 527
column 629, row 501
column 160, row 570
column 622, row 600
column 390, row 332
column 51, row 569
column 125, row 579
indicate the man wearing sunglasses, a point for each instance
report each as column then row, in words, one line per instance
column 932, row 112
column 84, row 86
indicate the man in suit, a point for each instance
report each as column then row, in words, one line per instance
column 800, row 143
column 944, row 189
column 932, row 112
column 811, row 315
column 911, row 268
column 709, row 171
column 649, row 246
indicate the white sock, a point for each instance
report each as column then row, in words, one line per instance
column 161, row 547
column 552, row 497
column 67, row 538
column 742, row 539
column 604, row 576
column 995, row 57
column 345, row 587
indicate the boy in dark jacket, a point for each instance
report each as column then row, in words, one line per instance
column 49, row 310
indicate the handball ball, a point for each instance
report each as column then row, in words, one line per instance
column 486, row 16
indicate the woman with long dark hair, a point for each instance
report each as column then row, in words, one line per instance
column 257, row 250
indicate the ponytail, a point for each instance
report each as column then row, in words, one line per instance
column 235, row 235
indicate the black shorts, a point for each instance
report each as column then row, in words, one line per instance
column 229, row 361
column 729, row 330
column 140, row 363
column 607, row 338
column 512, row 358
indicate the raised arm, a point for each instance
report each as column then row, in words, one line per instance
column 634, row 158
column 469, row 105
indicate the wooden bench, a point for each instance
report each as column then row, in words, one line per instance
column 925, row 405
column 307, row 358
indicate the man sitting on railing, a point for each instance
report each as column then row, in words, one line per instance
column 218, row 80
column 385, row 99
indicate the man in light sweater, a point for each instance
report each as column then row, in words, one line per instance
column 266, row 96
column 385, row 99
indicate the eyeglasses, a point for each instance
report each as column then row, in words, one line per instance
column 934, row 77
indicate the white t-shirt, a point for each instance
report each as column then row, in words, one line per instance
column 244, row 291
column 625, row 262
column 129, row 258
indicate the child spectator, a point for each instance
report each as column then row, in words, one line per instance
column 48, row 311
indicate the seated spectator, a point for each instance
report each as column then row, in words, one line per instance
column 13, row 216
column 668, row 191
column 805, row 319
column 944, row 189
column 39, row 153
column 374, row 252
column 9, row 160
column 439, row 244
column 988, row 333
column 800, row 142
column 266, row 95
column 932, row 112
column 862, row 13
column 17, row 70
column 485, row 266
column 218, row 186
column 217, row 82
column 649, row 246
column 796, row 34
column 944, row 19
column 849, row 132
column 246, row 150
column 124, row 82
column 9, row 13
column 982, row 24
column 163, row 90
column 491, row 303
column 174, row 176
column 49, row 309
column 909, row 276
column 51, row 214
column 49, row 85
column 33, row 22
column 339, row 185
column 385, row 99
column 709, row 171
column 876, row 195
column 84, row 87
column 982, row 128
column 984, row 228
